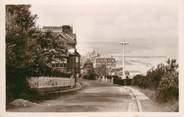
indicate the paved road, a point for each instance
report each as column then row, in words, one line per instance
column 96, row 97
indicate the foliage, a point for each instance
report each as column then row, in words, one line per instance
column 140, row 81
column 29, row 51
column 21, row 48
column 20, row 27
column 89, row 71
column 163, row 79
column 168, row 88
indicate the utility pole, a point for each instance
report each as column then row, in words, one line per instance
column 124, row 43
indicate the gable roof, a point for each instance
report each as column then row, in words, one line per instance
column 68, row 37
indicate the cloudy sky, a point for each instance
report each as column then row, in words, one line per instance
column 150, row 26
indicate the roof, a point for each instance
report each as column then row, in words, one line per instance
column 73, row 52
column 70, row 38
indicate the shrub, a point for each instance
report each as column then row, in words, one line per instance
column 163, row 79
column 140, row 80
column 168, row 88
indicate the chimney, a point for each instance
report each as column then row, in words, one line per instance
column 67, row 29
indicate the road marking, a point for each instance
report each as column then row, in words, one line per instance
column 139, row 105
column 132, row 106
column 136, row 96
column 139, row 95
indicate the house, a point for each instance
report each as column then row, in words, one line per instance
column 108, row 61
column 103, row 65
column 70, row 61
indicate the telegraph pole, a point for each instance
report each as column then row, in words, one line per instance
column 124, row 43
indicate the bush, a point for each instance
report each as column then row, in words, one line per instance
column 118, row 80
column 140, row 80
column 163, row 79
column 168, row 87
column 17, row 85
column 90, row 76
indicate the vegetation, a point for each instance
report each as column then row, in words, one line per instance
column 163, row 79
column 101, row 70
column 168, row 88
column 20, row 49
column 89, row 72
column 29, row 51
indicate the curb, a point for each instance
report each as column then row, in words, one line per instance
column 139, row 107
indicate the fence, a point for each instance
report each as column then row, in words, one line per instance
column 48, row 82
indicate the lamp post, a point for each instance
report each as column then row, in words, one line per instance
column 124, row 43
column 75, row 68
column 74, row 61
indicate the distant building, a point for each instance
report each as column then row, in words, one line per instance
column 108, row 61
column 118, row 71
column 104, row 65
column 70, row 62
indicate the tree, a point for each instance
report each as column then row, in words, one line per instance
column 29, row 51
column 89, row 70
column 20, row 43
column 21, row 47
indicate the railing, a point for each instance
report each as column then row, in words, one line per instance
column 47, row 82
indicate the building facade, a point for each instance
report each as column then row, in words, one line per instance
column 108, row 61
column 103, row 65
column 70, row 61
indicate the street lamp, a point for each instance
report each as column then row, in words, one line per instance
column 124, row 43
column 76, row 62
column 72, row 51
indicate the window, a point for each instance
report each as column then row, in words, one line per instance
column 76, row 59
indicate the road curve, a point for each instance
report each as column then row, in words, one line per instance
column 97, row 97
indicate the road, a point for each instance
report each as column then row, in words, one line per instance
column 96, row 97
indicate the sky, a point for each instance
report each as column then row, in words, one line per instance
column 150, row 26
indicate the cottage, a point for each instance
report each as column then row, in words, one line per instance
column 69, row 62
